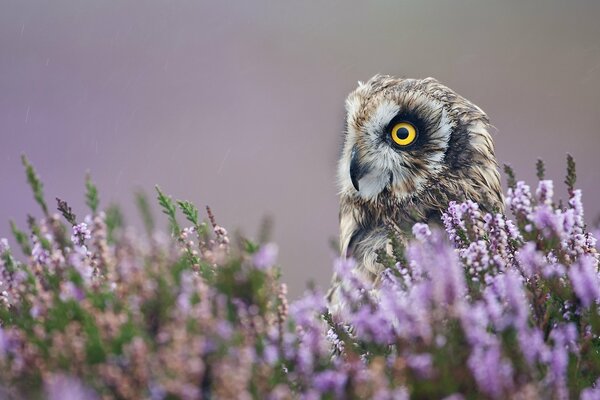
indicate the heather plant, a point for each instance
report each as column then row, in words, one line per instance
column 486, row 306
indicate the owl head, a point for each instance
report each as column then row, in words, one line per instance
column 405, row 137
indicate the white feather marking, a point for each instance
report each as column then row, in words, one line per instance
column 372, row 184
column 445, row 128
column 381, row 117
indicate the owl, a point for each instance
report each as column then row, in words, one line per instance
column 410, row 147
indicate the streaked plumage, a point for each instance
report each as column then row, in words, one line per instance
column 387, row 187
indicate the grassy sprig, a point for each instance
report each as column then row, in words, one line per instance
column 571, row 177
column 35, row 183
column 37, row 232
column 190, row 211
column 114, row 221
column 265, row 230
column 91, row 194
column 66, row 211
column 385, row 259
column 21, row 238
column 511, row 181
column 169, row 208
column 540, row 169
column 397, row 249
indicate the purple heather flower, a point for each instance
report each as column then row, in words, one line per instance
column 475, row 320
column 577, row 206
column 311, row 332
column 330, row 382
column 513, row 231
column 39, row 254
column 569, row 223
column 452, row 219
column 579, row 241
column 304, row 309
column 519, row 199
column 455, row 217
column 494, row 306
column 421, row 364
column 509, row 288
column 354, row 286
column 187, row 289
column 62, row 387
column 592, row 237
column 438, row 260
column 532, row 345
column 591, row 393
column 271, row 354
column 81, row 233
column 343, row 266
column 421, row 231
column 79, row 258
column 456, row 396
column 500, row 232
column 492, row 373
column 266, row 256
column 190, row 391
column 531, row 260
column 4, row 247
column 3, row 344
column 585, row 280
column 371, row 324
column 549, row 221
column 563, row 337
column 336, row 342
column 183, row 303
column 386, row 393
column 69, row 291
column 545, row 192
column 310, row 394
column 476, row 256
column 409, row 314
column 224, row 329
column 157, row 391
column 553, row 270
column 470, row 209
column 400, row 393
column 34, row 311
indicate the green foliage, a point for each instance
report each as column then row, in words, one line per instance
column 202, row 317
column 540, row 169
column 169, row 208
column 190, row 211
column 35, row 183
column 21, row 238
column 114, row 221
column 91, row 194
column 511, row 181
column 571, row 177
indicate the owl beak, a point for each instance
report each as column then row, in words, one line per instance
column 357, row 170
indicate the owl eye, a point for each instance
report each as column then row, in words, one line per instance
column 404, row 133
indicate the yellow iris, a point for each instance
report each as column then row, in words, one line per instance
column 404, row 133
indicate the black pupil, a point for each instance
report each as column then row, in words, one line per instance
column 402, row 133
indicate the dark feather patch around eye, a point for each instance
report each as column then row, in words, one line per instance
column 404, row 116
column 459, row 153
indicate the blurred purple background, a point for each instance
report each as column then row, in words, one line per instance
column 239, row 105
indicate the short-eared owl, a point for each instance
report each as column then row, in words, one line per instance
column 411, row 146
